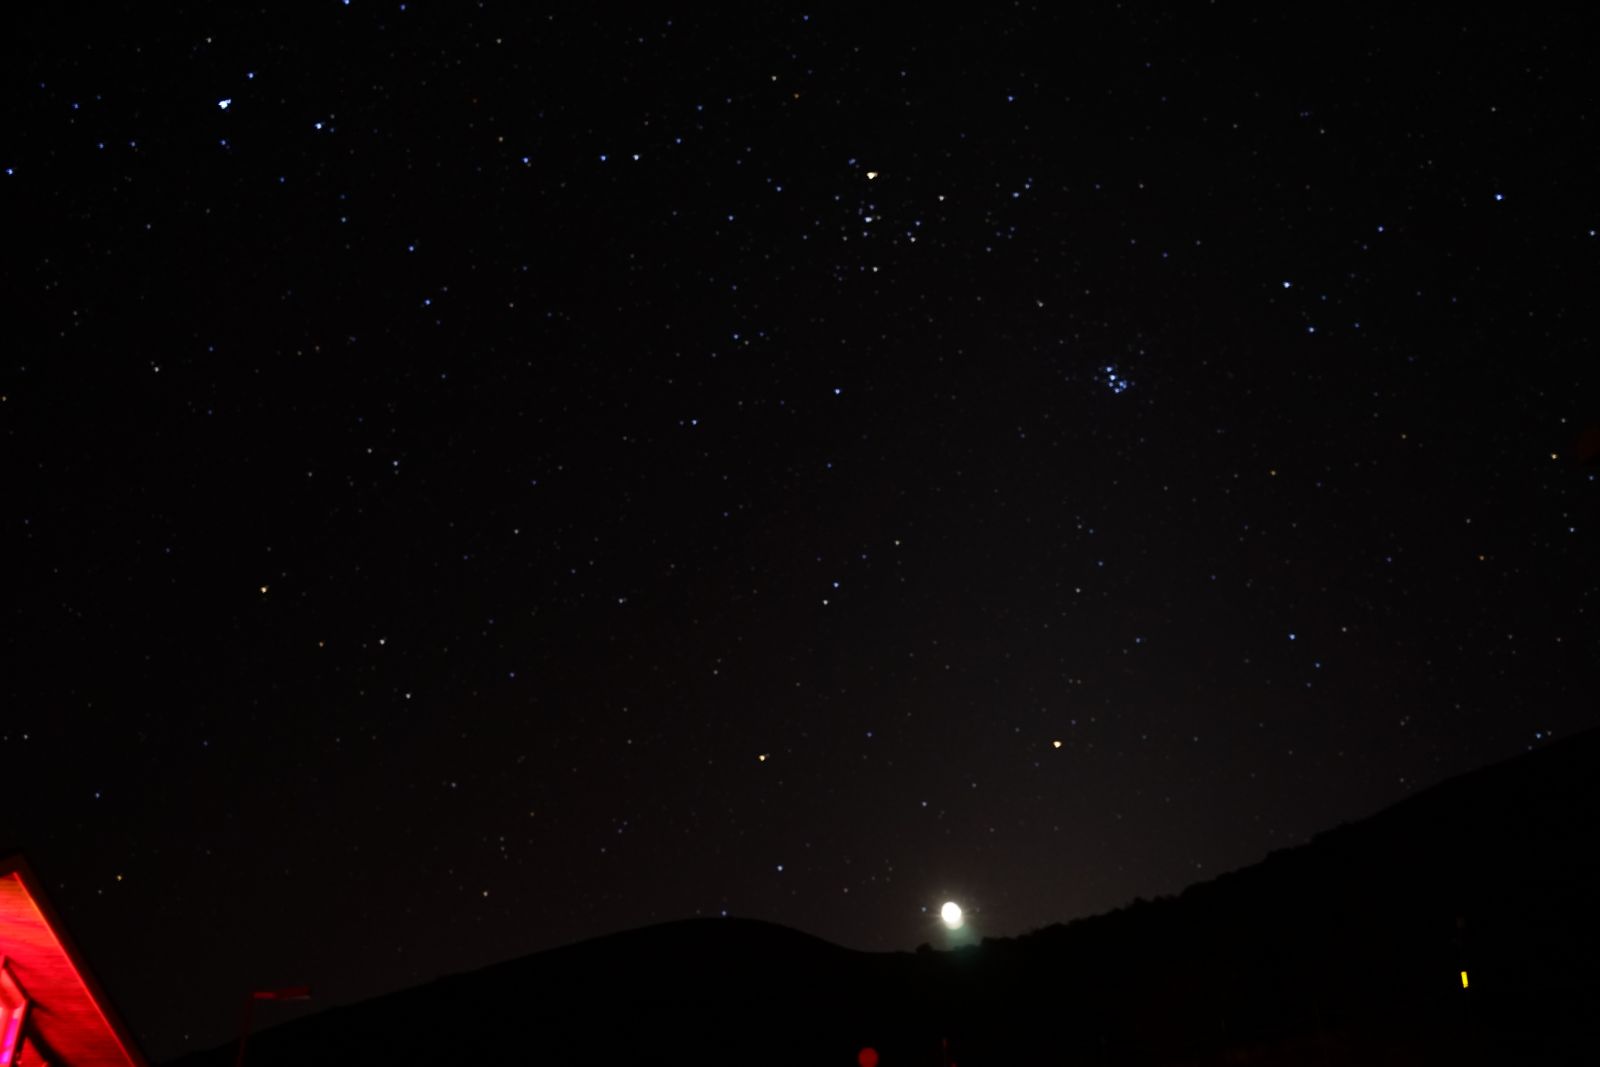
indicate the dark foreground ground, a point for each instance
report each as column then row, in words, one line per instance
column 1348, row 950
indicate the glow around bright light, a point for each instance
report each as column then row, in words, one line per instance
column 951, row 914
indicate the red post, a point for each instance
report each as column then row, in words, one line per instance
column 244, row 1029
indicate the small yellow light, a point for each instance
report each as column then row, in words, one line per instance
column 263, row 590
column 871, row 174
column 1463, row 979
column 1055, row 744
column 762, row 757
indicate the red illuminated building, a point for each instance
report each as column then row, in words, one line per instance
column 52, row 1012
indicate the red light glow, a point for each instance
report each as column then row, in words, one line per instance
column 8, row 1044
column 13, row 1008
column 55, row 1002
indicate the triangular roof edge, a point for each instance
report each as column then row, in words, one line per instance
column 14, row 862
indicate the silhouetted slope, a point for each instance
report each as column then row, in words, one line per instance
column 1348, row 949
column 1358, row 939
column 723, row 988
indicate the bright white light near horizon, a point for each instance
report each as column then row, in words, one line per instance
column 951, row 914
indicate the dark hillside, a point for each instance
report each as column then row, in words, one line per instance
column 1349, row 949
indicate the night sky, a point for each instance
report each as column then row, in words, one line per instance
column 477, row 479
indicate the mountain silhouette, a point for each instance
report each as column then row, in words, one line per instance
column 1457, row 926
